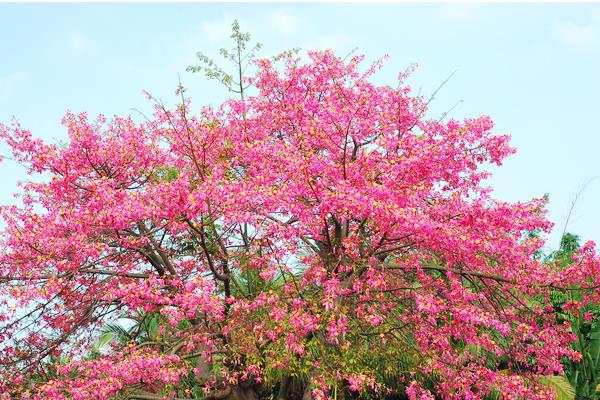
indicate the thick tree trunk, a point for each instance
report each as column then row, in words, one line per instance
column 239, row 393
column 235, row 393
column 307, row 392
column 284, row 388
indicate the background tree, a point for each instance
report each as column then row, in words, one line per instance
column 583, row 374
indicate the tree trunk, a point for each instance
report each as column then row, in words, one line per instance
column 239, row 392
column 307, row 392
column 284, row 388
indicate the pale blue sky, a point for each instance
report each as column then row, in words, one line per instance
column 532, row 67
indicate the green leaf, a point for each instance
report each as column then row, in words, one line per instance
column 104, row 339
column 564, row 390
column 595, row 335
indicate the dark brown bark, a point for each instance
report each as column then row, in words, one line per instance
column 235, row 393
column 284, row 388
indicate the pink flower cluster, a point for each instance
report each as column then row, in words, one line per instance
column 323, row 212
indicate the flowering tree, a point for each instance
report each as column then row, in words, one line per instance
column 303, row 241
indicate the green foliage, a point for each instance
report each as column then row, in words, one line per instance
column 145, row 327
column 569, row 244
column 563, row 388
column 583, row 376
column 240, row 55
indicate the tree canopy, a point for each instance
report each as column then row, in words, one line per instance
column 322, row 237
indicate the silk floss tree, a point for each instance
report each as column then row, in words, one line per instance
column 319, row 237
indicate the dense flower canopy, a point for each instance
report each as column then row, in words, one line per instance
column 319, row 230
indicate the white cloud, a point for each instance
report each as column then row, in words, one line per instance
column 217, row 30
column 278, row 30
column 581, row 36
column 457, row 11
column 78, row 42
column 278, row 22
column 284, row 23
column 337, row 42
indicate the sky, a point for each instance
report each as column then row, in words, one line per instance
column 534, row 68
